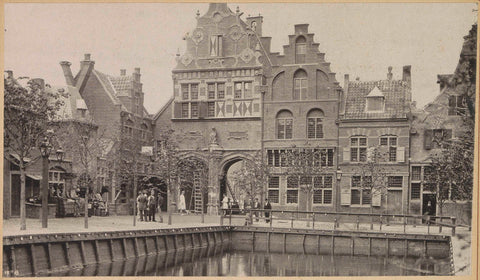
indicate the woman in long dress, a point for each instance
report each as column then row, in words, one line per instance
column 182, row 208
column 225, row 204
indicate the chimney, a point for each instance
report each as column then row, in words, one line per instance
column 266, row 42
column 301, row 28
column 136, row 74
column 86, row 61
column 87, row 57
column 346, row 80
column 67, row 72
column 123, row 72
column 9, row 74
column 389, row 74
column 406, row 77
column 40, row 82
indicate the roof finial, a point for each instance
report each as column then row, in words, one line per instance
column 389, row 75
column 237, row 10
column 198, row 13
column 178, row 52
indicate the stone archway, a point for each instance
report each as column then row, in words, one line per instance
column 193, row 174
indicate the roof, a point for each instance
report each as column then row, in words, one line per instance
column 109, row 88
column 396, row 94
column 164, row 107
column 72, row 102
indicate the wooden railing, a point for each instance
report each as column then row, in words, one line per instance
column 341, row 218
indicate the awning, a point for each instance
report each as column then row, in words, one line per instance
column 34, row 176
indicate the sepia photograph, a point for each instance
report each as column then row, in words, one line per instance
column 240, row 139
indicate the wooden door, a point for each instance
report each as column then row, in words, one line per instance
column 15, row 195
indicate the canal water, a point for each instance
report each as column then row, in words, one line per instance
column 223, row 261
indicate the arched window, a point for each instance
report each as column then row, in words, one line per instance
column 284, row 125
column 300, row 85
column 300, row 49
column 315, row 124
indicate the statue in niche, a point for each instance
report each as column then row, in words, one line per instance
column 213, row 136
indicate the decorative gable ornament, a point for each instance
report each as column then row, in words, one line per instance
column 246, row 55
column 186, row 59
column 197, row 36
column 235, row 33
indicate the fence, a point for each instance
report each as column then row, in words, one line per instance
column 339, row 219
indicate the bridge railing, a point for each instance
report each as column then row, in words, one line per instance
column 376, row 221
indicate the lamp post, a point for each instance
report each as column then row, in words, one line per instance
column 85, row 155
column 45, row 149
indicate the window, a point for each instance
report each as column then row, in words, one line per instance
column 415, row 191
column 194, row 110
column 284, row 125
column 292, row 189
column 137, row 103
column 184, row 110
column 185, row 91
column 300, row 49
column 221, row 90
column 194, row 91
column 358, row 149
column 276, row 158
column 243, row 90
column 56, row 182
column 391, row 143
column 315, row 124
column 361, row 190
column 322, row 189
column 211, row 109
column 456, row 105
column 416, row 173
column 216, row 45
column 273, row 189
column 300, row 85
column 395, row 181
column 211, row 91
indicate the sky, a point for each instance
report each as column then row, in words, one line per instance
column 358, row 39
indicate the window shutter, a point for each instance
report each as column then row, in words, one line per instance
column 177, row 110
column 400, row 154
column 376, row 198
column 346, row 154
column 202, row 110
column 427, row 140
column 345, row 191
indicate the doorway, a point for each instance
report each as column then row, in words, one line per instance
column 15, row 195
column 432, row 210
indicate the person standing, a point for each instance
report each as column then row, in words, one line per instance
column 152, row 206
column 225, row 204
column 267, row 207
column 159, row 206
column 142, row 205
column 182, row 208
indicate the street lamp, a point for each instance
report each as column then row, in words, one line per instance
column 60, row 154
column 45, row 150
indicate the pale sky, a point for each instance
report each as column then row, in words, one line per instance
column 358, row 39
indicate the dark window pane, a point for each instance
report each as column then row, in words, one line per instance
column 416, row 173
column 292, row 196
column 317, row 196
column 415, row 192
column 355, row 197
column 273, row 196
column 327, row 196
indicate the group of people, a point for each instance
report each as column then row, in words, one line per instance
column 147, row 205
column 228, row 205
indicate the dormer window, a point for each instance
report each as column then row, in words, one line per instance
column 375, row 101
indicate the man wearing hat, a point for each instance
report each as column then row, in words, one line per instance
column 142, row 205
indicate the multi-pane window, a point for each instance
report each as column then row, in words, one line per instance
column 292, row 189
column 284, row 128
column 220, row 90
column 361, row 194
column 211, row 109
column 211, row 91
column 316, row 157
column 415, row 191
column 314, row 128
column 216, row 90
column 322, row 189
column 456, row 105
column 185, row 110
column 242, row 90
column 137, row 103
column 189, row 91
column 194, row 110
column 358, row 149
column 56, row 181
column 273, row 189
column 391, row 143
column 395, row 181
column 300, row 49
column 300, row 85
column 416, row 173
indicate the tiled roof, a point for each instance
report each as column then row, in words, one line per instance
column 122, row 84
column 396, row 93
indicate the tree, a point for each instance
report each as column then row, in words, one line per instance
column 27, row 111
column 310, row 169
column 370, row 178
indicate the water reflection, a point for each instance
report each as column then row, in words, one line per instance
column 222, row 261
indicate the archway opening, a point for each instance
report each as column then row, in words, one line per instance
column 235, row 191
column 160, row 188
column 193, row 181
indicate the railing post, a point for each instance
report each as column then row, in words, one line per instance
column 404, row 224
column 221, row 218
column 454, row 222
column 230, row 218
column 291, row 224
column 428, row 225
column 358, row 222
column 381, row 222
column 335, row 223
